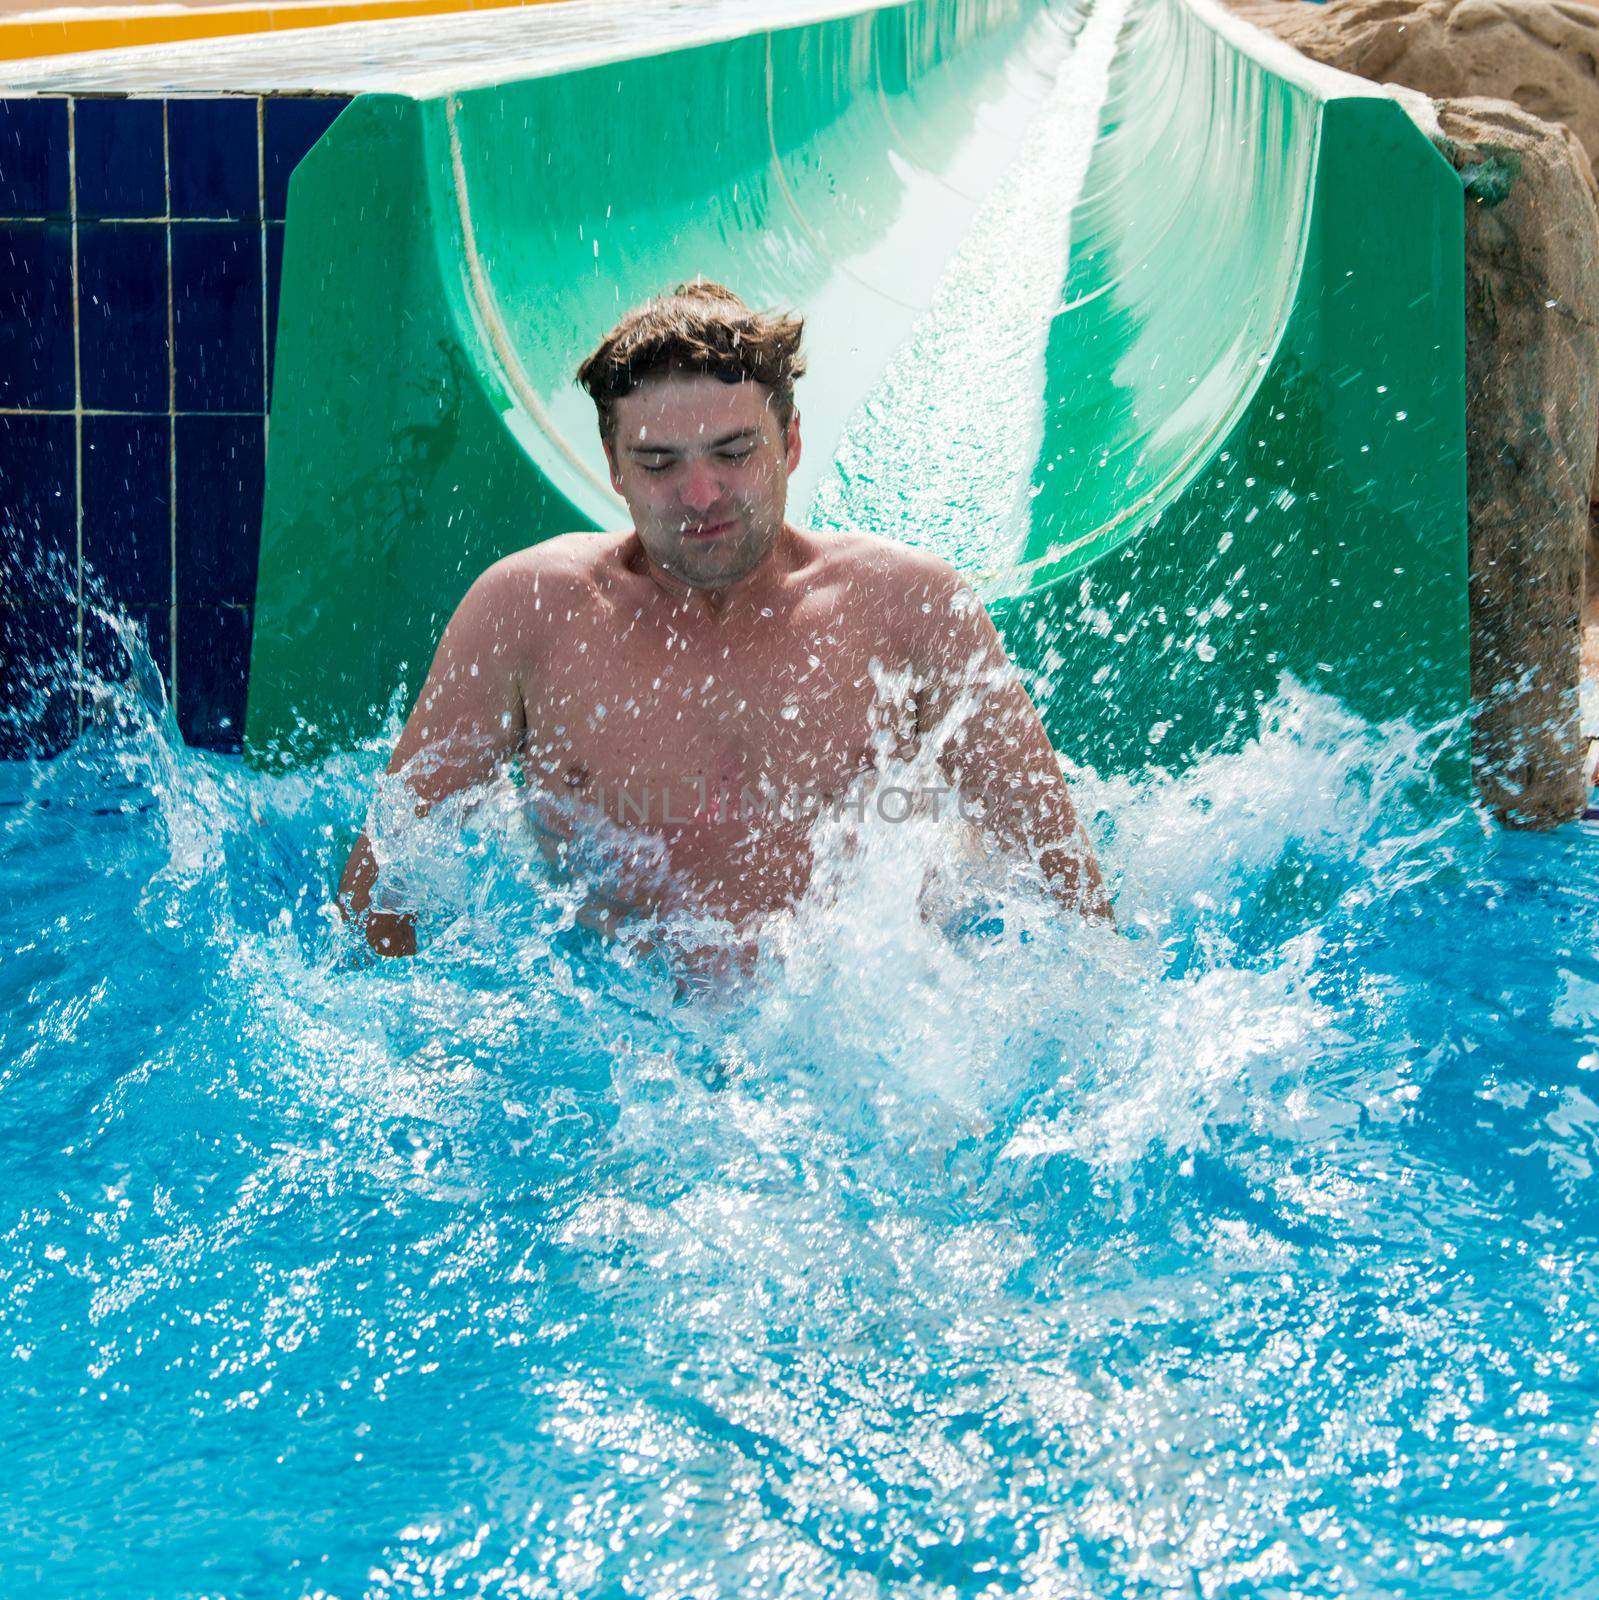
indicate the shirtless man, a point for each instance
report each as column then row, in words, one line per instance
column 669, row 677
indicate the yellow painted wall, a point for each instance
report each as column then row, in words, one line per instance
column 22, row 37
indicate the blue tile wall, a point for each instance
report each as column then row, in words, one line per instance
column 213, row 667
column 38, row 509
column 214, row 159
column 124, row 350
column 35, row 160
column 127, row 542
column 38, row 658
column 219, row 532
column 122, row 169
column 36, row 315
column 219, row 355
column 133, row 414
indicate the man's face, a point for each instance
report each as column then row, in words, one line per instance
column 704, row 470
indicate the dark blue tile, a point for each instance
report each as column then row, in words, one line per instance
column 212, row 151
column 35, row 168
column 213, row 674
column 121, row 159
column 122, row 301
column 221, row 478
column 38, row 679
column 127, row 523
column 216, row 310
column 38, row 510
column 121, row 646
column 36, row 315
column 274, row 292
column 292, row 126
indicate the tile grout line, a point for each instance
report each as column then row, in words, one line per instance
column 172, row 423
column 104, row 411
column 266, row 350
column 132, row 222
column 260, row 192
column 77, row 412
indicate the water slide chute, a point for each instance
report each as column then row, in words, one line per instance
column 1152, row 327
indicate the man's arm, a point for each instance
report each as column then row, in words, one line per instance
column 996, row 753
column 468, row 720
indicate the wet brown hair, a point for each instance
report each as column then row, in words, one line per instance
column 698, row 327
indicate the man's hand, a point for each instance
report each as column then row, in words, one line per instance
column 467, row 722
column 997, row 755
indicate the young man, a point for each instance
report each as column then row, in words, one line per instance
column 706, row 682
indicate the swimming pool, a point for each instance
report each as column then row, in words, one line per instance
column 1249, row 1251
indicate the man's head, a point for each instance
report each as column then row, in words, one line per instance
column 695, row 394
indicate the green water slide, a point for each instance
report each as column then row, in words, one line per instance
column 1150, row 326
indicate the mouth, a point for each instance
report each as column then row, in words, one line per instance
column 710, row 530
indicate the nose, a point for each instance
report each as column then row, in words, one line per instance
column 700, row 488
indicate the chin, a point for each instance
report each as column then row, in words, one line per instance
column 720, row 561
column 704, row 575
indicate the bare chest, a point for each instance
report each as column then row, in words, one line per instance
column 799, row 705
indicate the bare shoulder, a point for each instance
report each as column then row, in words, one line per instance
column 916, row 594
column 563, row 568
column 515, row 606
column 572, row 558
column 882, row 564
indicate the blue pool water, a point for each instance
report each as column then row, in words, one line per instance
column 1249, row 1251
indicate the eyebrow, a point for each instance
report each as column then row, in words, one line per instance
column 677, row 449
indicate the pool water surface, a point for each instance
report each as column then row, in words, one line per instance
column 1249, row 1250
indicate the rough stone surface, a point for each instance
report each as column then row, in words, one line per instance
column 1532, row 414
column 1532, row 344
column 1541, row 54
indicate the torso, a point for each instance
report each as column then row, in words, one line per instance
column 668, row 720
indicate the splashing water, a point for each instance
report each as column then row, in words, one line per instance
column 1248, row 1251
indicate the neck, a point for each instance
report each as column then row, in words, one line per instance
column 717, row 598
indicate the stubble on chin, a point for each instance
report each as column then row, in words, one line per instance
column 717, row 566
